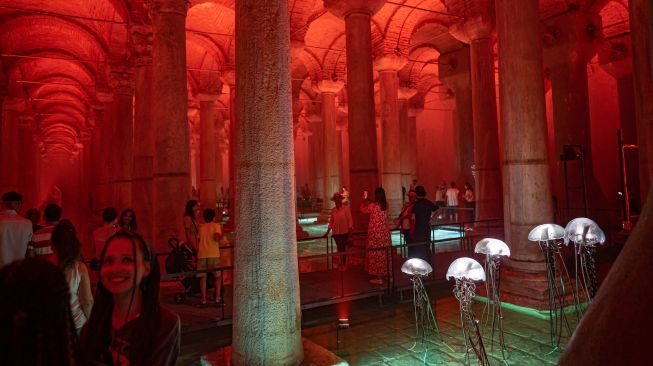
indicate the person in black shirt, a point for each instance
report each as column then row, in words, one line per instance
column 423, row 209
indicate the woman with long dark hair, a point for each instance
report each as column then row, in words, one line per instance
column 378, row 235
column 68, row 252
column 128, row 220
column 191, row 226
column 127, row 325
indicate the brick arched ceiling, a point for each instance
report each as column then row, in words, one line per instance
column 56, row 54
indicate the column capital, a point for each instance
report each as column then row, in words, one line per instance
column 572, row 37
column 209, row 89
column 14, row 104
column 103, row 97
column 179, row 7
column 207, row 97
column 342, row 8
column 328, row 86
column 473, row 28
column 454, row 69
column 141, row 42
column 122, row 80
column 405, row 93
column 390, row 62
column 229, row 77
column 617, row 59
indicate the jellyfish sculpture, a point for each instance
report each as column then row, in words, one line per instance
column 549, row 237
column 424, row 314
column 467, row 271
column 585, row 234
column 494, row 249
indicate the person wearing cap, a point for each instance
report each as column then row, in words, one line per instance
column 15, row 231
column 422, row 209
column 341, row 224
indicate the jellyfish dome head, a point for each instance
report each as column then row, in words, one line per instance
column 584, row 231
column 416, row 266
column 492, row 247
column 466, row 268
column 546, row 232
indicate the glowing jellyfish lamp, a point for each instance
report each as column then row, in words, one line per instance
column 494, row 249
column 467, row 271
column 549, row 238
column 424, row 315
column 585, row 234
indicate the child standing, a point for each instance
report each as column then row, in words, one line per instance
column 208, row 256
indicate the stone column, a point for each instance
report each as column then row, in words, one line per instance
column 266, row 326
column 229, row 78
column 11, row 109
column 121, row 153
column 403, row 105
column 388, row 66
column 221, row 145
column 328, row 92
column 411, row 128
column 169, row 109
column 570, row 42
column 96, row 168
column 104, row 188
column 142, row 181
column 454, row 71
column 477, row 32
column 642, row 42
column 363, row 169
column 526, row 181
column 207, row 184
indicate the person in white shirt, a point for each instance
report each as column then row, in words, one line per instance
column 452, row 202
column 15, row 230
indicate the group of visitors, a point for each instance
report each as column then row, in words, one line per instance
column 47, row 308
column 450, row 197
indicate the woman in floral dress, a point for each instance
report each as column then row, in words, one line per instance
column 378, row 235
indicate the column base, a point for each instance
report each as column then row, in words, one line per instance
column 525, row 284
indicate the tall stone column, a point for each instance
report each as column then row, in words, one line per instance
column 142, row 180
column 11, row 109
column 104, row 162
column 411, row 128
column 570, row 42
column 316, row 142
column 169, row 112
column 403, row 106
column 526, row 181
column 266, row 326
column 208, row 173
column 96, row 169
column 363, row 168
column 477, row 31
column 122, row 140
column 641, row 35
column 328, row 91
column 388, row 66
column 229, row 78
column 221, row 145
column 454, row 71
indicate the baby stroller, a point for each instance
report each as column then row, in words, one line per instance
column 181, row 259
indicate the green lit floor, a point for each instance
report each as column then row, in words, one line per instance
column 386, row 337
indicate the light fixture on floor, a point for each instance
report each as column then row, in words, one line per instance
column 424, row 313
column 585, row 234
column 467, row 271
column 494, row 249
column 549, row 237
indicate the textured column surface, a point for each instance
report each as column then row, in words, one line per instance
column 229, row 78
column 454, row 71
column 104, row 162
column 328, row 90
column 208, row 171
column 122, row 141
column 527, row 191
column 95, row 170
column 169, row 111
column 11, row 109
column 387, row 67
column 267, row 314
column 477, row 31
column 363, row 168
column 642, row 42
column 411, row 127
column 403, row 105
column 142, row 183
column 569, row 44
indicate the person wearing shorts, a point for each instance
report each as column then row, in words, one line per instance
column 208, row 256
